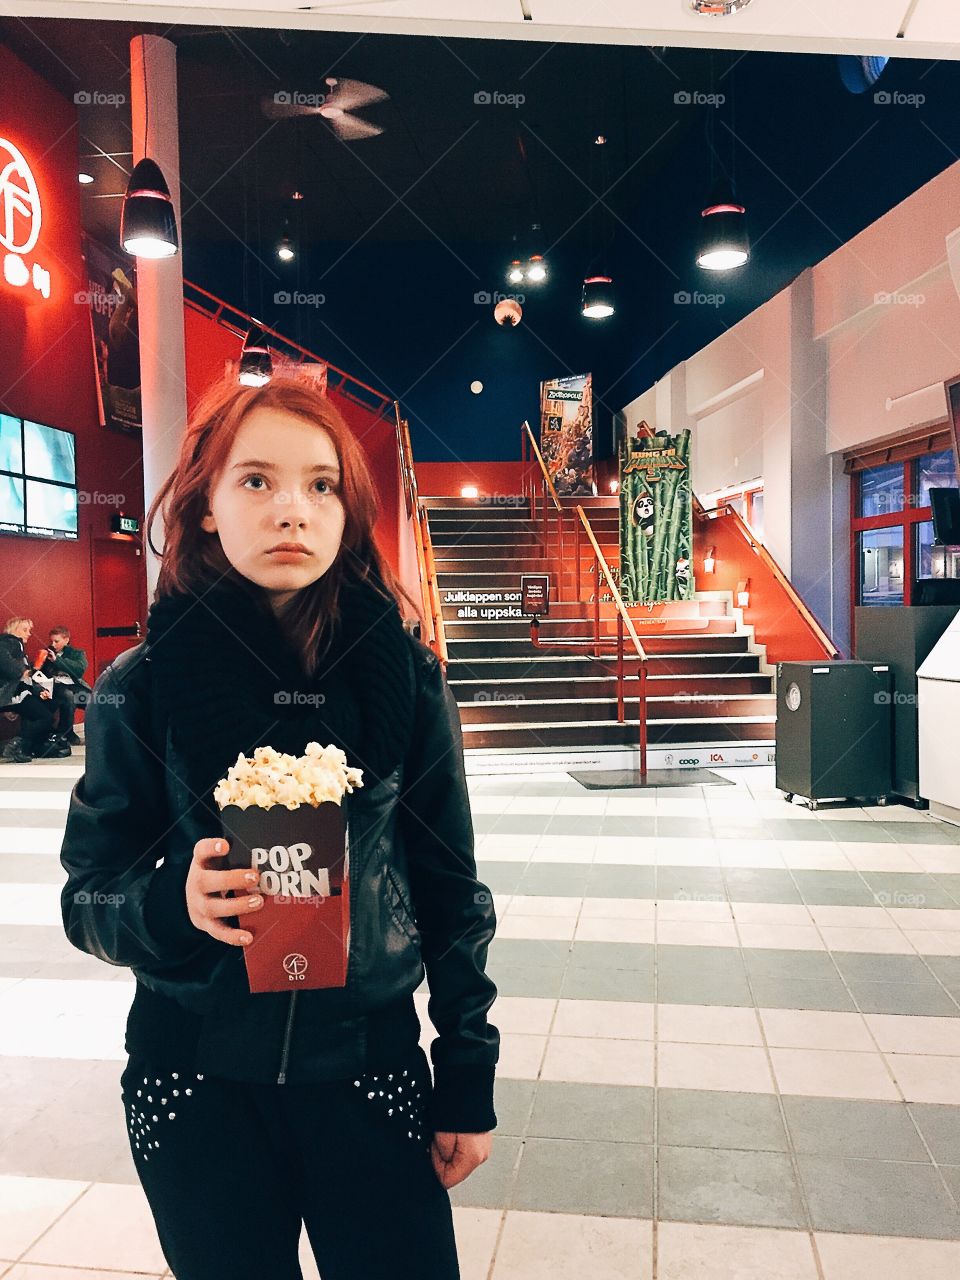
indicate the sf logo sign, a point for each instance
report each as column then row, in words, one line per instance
column 20, row 221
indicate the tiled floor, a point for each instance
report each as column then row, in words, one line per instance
column 730, row 1043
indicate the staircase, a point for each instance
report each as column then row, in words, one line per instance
column 706, row 681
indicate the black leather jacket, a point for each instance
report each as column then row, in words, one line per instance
column 416, row 903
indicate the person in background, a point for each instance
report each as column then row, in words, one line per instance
column 32, row 703
column 65, row 665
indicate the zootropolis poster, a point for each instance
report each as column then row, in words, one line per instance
column 656, row 519
column 566, row 433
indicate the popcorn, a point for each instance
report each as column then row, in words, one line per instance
column 269, row 778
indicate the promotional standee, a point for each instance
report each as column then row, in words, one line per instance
column 566, row 433
column 656, row 519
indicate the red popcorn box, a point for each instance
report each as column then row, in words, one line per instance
column 301, row 934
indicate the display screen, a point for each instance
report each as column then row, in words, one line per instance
column 48, row 453
column 38, row 480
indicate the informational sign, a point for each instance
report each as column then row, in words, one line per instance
column 656, row 519
column 566, row 433
column 21, row 218
column 112, row 297
column 492, row 605
column 535, row 594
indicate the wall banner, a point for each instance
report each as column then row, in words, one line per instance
column 656, row 519
column 566, row 433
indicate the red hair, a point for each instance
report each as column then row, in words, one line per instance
column 192, row 559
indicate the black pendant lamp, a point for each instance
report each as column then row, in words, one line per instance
column 598, row 299
column 148, row 224
column 723, row 242
column 256, row 363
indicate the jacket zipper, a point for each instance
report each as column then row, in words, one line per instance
column 282, row 1077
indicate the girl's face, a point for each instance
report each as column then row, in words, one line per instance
column 23, row 630
column 280, row 485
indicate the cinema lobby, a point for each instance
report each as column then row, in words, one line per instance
column 480, row 649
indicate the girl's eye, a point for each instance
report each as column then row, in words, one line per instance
column 254, row 477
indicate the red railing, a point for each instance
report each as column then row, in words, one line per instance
column 238, row 322
column 426, row 564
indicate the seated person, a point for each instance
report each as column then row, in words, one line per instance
column 18, row 693
column 65, row 665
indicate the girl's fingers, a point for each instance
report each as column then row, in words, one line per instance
column 223, row 932
column 217, row 881
column 215, row 908
column 209, row 851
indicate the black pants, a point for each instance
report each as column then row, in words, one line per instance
column 66, row 699
column 36, row 719
column 231, row 1171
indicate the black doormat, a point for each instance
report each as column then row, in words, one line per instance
column 604, row 779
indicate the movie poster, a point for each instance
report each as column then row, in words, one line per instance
column 566, row 433
column 112, row 297
column 656, row 519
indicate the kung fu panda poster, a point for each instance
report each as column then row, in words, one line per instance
column 656, row 519
column 566, row 433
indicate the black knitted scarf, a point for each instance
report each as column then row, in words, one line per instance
column 230, row 681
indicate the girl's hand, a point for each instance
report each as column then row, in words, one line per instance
column 456, row 1155
column 207, row 903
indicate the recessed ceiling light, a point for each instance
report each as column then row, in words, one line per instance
column 716, row 8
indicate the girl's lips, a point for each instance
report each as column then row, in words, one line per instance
column 288, row 555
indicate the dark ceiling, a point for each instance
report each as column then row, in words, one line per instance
column 401, row 231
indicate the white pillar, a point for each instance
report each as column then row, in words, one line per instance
column 153, row 81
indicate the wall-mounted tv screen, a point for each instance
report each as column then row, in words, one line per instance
column 38, row 479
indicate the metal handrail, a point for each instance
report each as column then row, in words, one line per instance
column 426, row 563
column 743, row 529
column 547, row 485
column 238, row 322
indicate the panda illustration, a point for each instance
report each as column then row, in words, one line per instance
column 643, row 512
column 683, row 575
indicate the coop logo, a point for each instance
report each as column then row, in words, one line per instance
column 295, row 966
column 689, row 760
column 20, row 221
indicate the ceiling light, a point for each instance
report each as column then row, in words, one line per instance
column 285, row 250
column 536, row 268
column 723, row 241
column 85, row 179
column 515, row 272
column 148, row 225
column 597, row 301
column 469, row 491
column 256, row 363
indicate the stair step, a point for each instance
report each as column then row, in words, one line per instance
column 562, row 666
column 519, row 710
column 670, row 733
column 550, row 629
column 727, row 683
column 670, row 644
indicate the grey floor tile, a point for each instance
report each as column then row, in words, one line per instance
column 573, row 824
column 621, row 824
column 854, row 831
column 904, row 889
column 940, row 1126
column 707, row 1118
column 693, row 881
column 950, row 885
column 798, row 829
column 526, row 980
column 951, row 1175
column 771, row 992
column 603, row 1113
column 869, row 967
column 607, row 984
column 30, row 868
column 743, row 1188
column 509, row 824
column 788, row 963
column 852, row 1128
column 540, row 953
column 925, row 999
column 501, row 877
column 760, row 884
column 946, row 968
column 606, row 1179
column 605, row 881
column 554, row 879
column 703, row 988
column 489, row 1185
column 721, row 961
column 834, row 889
column 512, row 1101
column 613, row 955
column 878, row 1197
column 923, row 832
column 678, row 828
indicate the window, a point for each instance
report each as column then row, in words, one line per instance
column 891, row 526
column 881, row 566
column 933, row 561
column 38, row 480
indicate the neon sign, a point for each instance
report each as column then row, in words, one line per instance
column 20, row 221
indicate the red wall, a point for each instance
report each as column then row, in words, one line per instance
column 47, row 371
column 445, row 479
